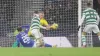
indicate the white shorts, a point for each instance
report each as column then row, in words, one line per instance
column 90, row 28
column 36, row 33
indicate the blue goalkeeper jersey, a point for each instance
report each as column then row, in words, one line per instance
column 26, row 28
column 23, row 38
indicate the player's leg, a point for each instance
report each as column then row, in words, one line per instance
column 47, row 45
column 83, row 39
column 15, row 44
column 97, row 31
column 87, row 29
column 38, row 39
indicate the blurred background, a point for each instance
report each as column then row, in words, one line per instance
column 14, row 13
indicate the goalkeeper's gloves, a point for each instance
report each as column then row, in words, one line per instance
column 54, row 26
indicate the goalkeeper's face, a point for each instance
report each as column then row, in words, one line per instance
column 41, row 15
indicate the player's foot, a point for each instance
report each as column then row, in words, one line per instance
column 84, row 46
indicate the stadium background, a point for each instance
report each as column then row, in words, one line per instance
column 14, row 13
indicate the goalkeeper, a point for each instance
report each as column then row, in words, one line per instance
column 23, row 39
column 44, row 22
column 91, row 19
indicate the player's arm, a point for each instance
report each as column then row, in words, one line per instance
column 98, row 19
column 46, row 27
column 52, row 26
column 83, row 17
column 42, row 27
column 25, row 26
column 82, row 20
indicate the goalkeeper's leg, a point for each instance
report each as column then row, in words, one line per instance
column 48, row 45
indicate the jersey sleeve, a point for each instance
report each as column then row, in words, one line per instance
column 82, row 19
column 26, row 26
column 98, row 19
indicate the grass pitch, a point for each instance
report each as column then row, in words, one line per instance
column 49, row 51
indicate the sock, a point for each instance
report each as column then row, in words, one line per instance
column 83, row 40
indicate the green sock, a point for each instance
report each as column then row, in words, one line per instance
column 83, row 40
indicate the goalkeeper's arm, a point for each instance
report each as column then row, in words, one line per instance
column 47, row 27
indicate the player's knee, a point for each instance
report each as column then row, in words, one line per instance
column 39, row 42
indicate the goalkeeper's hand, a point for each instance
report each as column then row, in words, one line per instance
column 54, row 26
column 78, row 28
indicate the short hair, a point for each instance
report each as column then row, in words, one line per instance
column 89, row 4
column 19, row 29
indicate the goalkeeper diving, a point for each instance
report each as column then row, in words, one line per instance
column 23, row 39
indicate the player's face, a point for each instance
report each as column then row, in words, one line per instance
column 41, row 15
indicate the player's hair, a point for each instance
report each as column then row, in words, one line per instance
column 89, row 4
column 19, row 29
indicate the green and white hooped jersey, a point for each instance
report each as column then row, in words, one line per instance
column 35, row 23
column 90, row 16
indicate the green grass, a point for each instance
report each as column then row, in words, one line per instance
column 49, row 51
